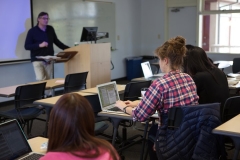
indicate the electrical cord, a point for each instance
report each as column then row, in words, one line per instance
column 112, row 66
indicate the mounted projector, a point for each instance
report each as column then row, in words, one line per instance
column 102, row 35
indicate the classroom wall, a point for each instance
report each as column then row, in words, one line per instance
column 128, row 28
column 128, row 32
column 152, row 23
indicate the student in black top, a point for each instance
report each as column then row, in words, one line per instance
column 211, row 82
column 40, row 41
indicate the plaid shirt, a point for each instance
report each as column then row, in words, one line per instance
column 172, row 90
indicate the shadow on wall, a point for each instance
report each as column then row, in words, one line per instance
column 20, row 51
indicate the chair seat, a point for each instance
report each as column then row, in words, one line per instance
column 26, row 113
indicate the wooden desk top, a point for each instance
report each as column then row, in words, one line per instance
column 139, row 79
column 51, row 101
column 120, row 89
column 51, row 84
column 35, row 144
column 8, row 91
column 113, row 114
column 144, row 79
column 229, row 128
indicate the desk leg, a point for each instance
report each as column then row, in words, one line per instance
column 48, row 110
column 237, row 147
column 53, row 92
column 115, row 122
column 144, row 138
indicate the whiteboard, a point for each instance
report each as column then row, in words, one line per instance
column 69, row 17
column 15, row 22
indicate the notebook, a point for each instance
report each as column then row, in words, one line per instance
column 147, row 71
column 13, row 142
column 108, row 95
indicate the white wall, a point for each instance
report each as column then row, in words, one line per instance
column 152, row 23
column 128, row 29
column 15, row 74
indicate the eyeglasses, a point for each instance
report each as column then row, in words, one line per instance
column 45, row 18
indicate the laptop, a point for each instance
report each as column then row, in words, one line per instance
column 108, row 95
column 14, row 144
column 147, row 71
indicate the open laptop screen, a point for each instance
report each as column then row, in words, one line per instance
column 13, row 142
column 147, row 71
column 108, row 94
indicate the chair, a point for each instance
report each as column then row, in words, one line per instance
column 24, row 110
column 132, row 92
column 186, row 133
column 236, row 65
column 100, row 124
column 231, row 109
column 75, row 82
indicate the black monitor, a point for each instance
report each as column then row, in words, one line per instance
column 89, row 34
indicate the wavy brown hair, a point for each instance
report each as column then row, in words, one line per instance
column 175, row 50
column 71, row 129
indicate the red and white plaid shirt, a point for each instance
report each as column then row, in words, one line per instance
column 174, row 89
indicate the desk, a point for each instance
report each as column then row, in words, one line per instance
column 35, row 144
column 48, row 103
column 145, row 79
column 10, row 91
column 120, row 88
column 116, row 118
column 223, row 64
column 233, row 86
column 233, row 75
column 231, row 128
column 51, row 83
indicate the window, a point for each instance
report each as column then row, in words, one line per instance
column 219, row 29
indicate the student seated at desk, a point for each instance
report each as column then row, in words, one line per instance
column 211, row 82
column 71, row 132
column 174, row 89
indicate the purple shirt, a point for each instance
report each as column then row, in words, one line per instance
column 174, row 89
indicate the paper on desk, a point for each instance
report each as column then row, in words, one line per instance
column 233, row 82
column 60, row 81
column 48, row 58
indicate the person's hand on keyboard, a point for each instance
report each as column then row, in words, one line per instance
column 120, row 104
column 132, row 103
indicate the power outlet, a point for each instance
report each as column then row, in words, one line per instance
column 159, row 36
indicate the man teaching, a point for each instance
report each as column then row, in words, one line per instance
column 40, row 41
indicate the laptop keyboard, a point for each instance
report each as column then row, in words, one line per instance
column 114, row 109
column 33, row 156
